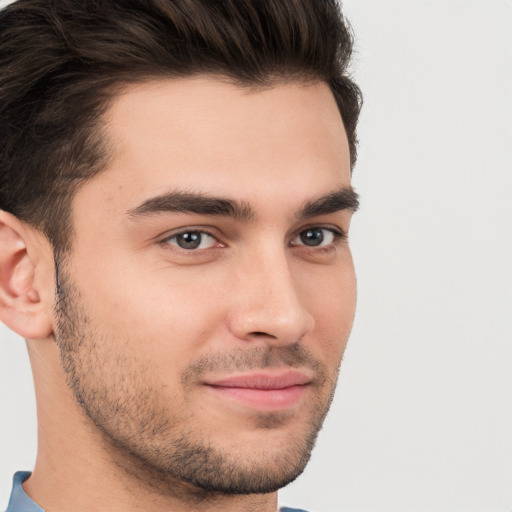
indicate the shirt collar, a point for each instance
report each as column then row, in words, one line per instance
column 20, row 502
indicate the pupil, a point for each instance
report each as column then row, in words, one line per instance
column 189, row 240
column 312, row 237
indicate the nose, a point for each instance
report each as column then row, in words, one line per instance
column 267, row 303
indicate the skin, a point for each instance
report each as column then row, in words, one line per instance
column 122, row 366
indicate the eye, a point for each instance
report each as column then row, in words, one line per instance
column 190, row 240
column 316, row 237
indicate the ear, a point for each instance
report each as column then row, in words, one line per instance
column 21, row 306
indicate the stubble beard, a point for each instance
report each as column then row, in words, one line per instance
column 169, row 453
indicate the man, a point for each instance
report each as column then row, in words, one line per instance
column 175, row 195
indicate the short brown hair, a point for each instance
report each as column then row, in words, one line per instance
column 62, row 60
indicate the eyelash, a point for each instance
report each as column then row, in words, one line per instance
column 338, row 236
column 201, row 231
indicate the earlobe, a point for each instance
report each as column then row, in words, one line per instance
column 21, row 307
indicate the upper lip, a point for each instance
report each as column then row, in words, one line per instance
column 263, row 380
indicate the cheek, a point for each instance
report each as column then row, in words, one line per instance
column 165, row 316
column 333, row 307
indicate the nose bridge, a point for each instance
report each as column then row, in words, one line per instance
column 268, row 300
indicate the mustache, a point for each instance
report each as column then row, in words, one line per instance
column 261, row 357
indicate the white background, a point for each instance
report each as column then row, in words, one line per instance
column 423, row 416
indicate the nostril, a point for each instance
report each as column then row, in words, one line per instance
column 261, row 334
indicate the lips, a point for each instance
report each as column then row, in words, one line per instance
column 265, row 391
column 264, row 381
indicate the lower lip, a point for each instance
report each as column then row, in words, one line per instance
column 265, row 399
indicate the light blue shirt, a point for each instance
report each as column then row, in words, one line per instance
column 20, row 502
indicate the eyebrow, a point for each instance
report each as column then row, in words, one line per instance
column 346, row 198
column 188, row 202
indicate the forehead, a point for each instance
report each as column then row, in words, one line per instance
column 209, row 136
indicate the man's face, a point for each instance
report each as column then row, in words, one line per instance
column 207, row 300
